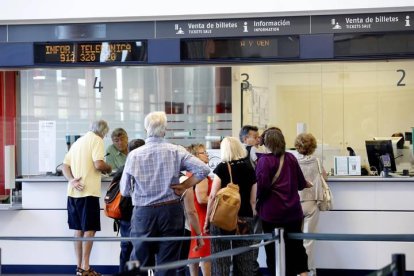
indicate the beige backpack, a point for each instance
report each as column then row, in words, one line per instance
column 226, row 206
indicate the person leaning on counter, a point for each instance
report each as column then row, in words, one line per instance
column 82, row 167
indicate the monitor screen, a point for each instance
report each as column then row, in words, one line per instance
column 409, row 137
column 378, row 148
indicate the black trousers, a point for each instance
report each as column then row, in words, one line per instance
column 295, row 253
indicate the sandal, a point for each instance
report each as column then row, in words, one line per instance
column 79, row 271
column 90, row 272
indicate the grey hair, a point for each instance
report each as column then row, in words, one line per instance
column 99, row 128
column 155, row 124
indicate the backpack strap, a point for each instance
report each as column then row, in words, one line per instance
column 229, row 167
column 282, row 159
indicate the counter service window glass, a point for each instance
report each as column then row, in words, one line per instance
column 375, row 150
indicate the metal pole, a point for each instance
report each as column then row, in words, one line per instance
column 241, row 103
column 231, row 270
column 0, row 261
column 399, row 261
column 280, row 252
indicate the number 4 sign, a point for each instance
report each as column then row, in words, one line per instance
column 100, row 87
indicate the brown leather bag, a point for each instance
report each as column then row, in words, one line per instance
column 226, row 206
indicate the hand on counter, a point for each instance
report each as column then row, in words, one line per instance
column 77, row 184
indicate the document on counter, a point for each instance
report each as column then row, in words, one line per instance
column 354, row 165
column 341, row 165
column 47, row 146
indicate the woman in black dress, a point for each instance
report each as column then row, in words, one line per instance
column 233, row 152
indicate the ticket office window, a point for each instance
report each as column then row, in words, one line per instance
column 341, row 103
column 72, row 98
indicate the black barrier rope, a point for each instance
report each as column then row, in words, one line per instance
column 226, row 253
column 294, row 236
column 239, row 250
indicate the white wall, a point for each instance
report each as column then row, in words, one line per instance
column 42, row 11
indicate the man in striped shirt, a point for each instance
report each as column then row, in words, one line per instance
column 149, row 174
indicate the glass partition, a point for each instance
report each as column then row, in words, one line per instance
column 341, row 103
column 196, row 100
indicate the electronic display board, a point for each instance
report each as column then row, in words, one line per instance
column 90, row 52
column 240, row 48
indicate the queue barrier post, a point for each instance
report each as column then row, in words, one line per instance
column 280, row 252
column 399, row 261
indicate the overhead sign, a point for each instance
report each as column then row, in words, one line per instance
column 233, row 27
column 351, row 23
column 294, row 25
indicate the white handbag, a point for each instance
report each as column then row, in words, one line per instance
column 327, row 202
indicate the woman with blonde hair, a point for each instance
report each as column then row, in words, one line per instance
column 305, row 144
column 233, row 153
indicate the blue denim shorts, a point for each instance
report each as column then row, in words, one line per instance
column 84, row 213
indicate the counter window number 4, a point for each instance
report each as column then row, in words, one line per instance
column 400, row 82
column 99, row 86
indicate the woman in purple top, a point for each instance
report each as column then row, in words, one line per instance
column 278, row 204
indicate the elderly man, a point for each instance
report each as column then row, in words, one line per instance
column 117, row 152
column 82, row 167
column 152, row 170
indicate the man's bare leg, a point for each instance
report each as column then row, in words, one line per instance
column 78, row 248
column 87, row 248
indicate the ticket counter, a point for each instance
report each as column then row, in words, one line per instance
column 367, row 205
column 363, row 205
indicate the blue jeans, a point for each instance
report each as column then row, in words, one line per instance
column 126, row 246
column 160, row 221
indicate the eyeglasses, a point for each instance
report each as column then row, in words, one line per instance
column 202, row 152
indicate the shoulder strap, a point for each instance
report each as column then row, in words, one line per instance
column 282, row 159
column 319, row 166
column 229, row 167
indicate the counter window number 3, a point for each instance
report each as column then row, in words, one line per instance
column 400, row 82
